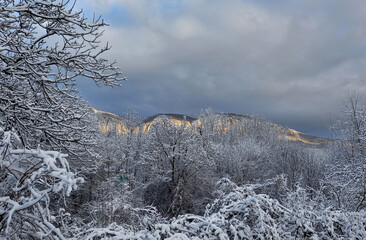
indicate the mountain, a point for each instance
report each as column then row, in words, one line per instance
column 223, row 121
column 110, row 122
column 177, row 119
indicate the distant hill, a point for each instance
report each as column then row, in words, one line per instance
column 179, row 117
column 112, row 122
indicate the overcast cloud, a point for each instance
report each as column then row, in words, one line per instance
column 293, row 62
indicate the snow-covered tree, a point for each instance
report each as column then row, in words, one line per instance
column 346, row 175
column 238, row 212
column 178, row 167
column 44, row 47
column 30, row 180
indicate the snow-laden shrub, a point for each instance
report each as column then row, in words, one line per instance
column 311, row 219
column 30, row 178
column 113, row 204
column 241, row 213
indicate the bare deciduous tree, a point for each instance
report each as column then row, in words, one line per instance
column 44, row 47
column 346, row 176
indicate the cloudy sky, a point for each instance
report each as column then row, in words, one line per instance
column 293, row 62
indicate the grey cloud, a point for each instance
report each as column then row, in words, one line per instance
column 291, row 61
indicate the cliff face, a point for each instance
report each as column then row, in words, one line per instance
column 109, row 122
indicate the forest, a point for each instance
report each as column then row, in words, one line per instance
column 61, row 177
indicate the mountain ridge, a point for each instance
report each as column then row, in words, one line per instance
column 110, row 121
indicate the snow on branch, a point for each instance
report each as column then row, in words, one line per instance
column 30, row 178
column 45, row 46
column 240, row 213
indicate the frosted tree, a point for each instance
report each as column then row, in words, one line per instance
column 45, row 46
column 115, row 189
column 346, row 178
column 30, row 178
column 131, row 144
column 239, row 212
column 179, row 178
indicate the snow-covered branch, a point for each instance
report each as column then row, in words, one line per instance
column 30, row 179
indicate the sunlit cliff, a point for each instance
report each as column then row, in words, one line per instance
column 109, row 122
